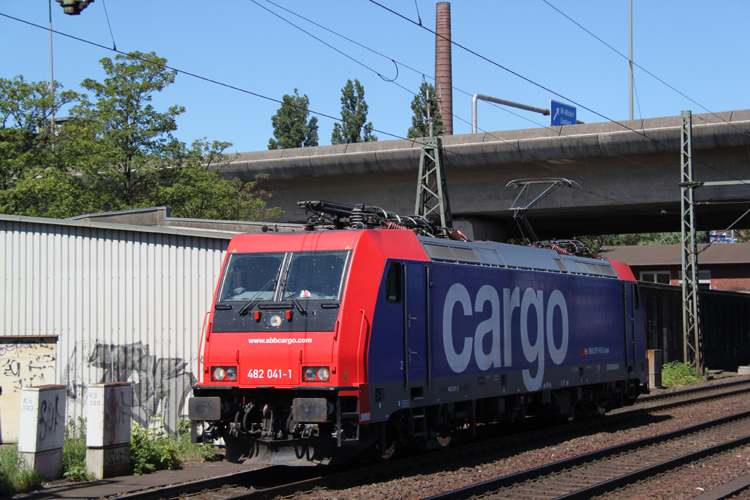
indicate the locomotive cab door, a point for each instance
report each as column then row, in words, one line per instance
column 631, row 303
column 416, row 344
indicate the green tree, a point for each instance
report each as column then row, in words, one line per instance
column 354, row 126
column 291, row 129
column 420, row 125
column 26, row 144
column 121, row 154
column 121, row 142
column 596, row 242
column 196, row 190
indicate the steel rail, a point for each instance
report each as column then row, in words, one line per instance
column 694, row 390
column 598, row 488
column 317, row 477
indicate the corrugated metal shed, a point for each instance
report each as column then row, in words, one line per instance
column 126, row 304
column 670, row 255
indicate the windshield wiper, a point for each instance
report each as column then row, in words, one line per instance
column 254, row 299
column 299, row 307
column 296, row 303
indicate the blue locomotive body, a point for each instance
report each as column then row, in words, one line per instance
column 518, row 330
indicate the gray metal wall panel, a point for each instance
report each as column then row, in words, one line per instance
column 126, row 305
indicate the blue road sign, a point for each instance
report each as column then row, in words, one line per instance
column 561, row 114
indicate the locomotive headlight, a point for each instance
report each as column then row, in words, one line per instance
column 316, row 373
column 224, row 373
column 275, row 320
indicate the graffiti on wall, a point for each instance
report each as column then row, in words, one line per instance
column 24, row 362
column 154, row 379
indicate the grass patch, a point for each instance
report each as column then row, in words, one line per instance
column 192, row 452
column 154, row 449
column 74, row 451
column 679, row 373
column 150, row 450
column 15, row 474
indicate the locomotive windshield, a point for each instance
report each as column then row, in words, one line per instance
column 315, row 275
column 251, row 276
column 304, row 276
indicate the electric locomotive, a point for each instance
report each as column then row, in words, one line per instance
column 323, row 344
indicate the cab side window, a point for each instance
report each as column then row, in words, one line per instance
column 393, row 283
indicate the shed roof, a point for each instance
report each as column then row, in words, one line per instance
column 671, row 255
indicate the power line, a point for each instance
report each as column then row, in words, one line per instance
column 331, row 46
column 106, row 14
column 417, row 71
column 511, row 143
column 639, row 66
column 724, row 231
column 216, row 82
column 188, row 73
column 539, row 85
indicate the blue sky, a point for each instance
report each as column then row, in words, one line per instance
column 697, row 47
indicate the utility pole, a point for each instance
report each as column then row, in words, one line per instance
column 51, row 74
column 693, row 341
column 631, row 59
column 72, row 8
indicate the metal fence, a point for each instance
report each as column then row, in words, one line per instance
column 725, row 325
column 125, row 303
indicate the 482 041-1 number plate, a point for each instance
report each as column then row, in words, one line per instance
column 270, row 373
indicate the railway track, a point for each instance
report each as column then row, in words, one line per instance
column 607, row 470
column 273, row 482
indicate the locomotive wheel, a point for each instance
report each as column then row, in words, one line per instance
column 444, row 439
column 387, row 448
column 445, row 427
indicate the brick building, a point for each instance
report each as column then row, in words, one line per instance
column 721, row 266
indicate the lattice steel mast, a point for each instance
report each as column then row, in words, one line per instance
column 693, row 347
column 432, row 190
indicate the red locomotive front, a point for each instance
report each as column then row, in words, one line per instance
column 283, row 363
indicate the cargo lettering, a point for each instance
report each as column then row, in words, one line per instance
column 533, row 344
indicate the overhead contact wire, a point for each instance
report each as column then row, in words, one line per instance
column 539, row 85
column 188, row 73
column 642, row 68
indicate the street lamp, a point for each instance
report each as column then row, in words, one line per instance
column 74, row 7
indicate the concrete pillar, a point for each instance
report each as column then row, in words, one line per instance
column 654, row 368
column 109, row 415
column 41, row 430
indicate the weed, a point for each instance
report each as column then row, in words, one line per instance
column 152, row 449
column 74, row 451
column 679, row 373
column 15, row 473
column 192, row 452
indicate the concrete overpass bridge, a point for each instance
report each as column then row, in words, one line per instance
column 628, row 173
